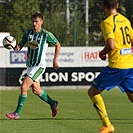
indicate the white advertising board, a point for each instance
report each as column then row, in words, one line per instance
column 2, row 36
column 69, row 57
column 91, row 57
column 3, row 57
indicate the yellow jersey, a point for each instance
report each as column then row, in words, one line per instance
column 119, row 28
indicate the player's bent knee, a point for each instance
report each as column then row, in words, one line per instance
column 23, row 89
column 131, row 99
column 90, row 93
column 93, row 91
column 34, row 92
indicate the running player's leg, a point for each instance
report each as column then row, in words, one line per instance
column 36, row 89
column 107, row 79
column 42, row 94
column 99, row 105
column 21, row 99
column 36, row 74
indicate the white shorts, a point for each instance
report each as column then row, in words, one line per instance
column 35, row 72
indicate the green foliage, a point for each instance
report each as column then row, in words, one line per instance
column 55, row 22
column 15, row 18
column 2, row 18
column 18, row 18
column 128, row 9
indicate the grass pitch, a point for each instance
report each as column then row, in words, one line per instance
column 75, row 112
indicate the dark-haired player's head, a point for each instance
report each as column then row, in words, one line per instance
column 37, row 21
column 110, row 4
column 37, row 14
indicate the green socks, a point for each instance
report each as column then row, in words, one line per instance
column 45, row 97
column 21, row 101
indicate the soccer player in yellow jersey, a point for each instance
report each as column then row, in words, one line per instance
column 118, row 36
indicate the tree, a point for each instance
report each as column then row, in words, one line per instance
column 18, row 17
column 15, row 18
column 128, row 9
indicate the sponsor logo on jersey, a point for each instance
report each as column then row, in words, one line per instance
column 125, row 51
column 33, row 44
column 107, row 33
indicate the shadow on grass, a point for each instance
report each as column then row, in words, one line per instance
column 37, row 119
column 50, row 119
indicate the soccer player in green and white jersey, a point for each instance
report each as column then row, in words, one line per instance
column 118, row 36
column 37, row 40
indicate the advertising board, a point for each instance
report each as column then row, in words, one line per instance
column 78, row 66
column 69, row 57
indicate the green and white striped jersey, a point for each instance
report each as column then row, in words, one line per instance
column 37, row 46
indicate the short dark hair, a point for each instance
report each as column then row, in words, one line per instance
column 37, row 14
column 110, row 4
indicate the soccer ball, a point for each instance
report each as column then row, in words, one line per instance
column 9, row 42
